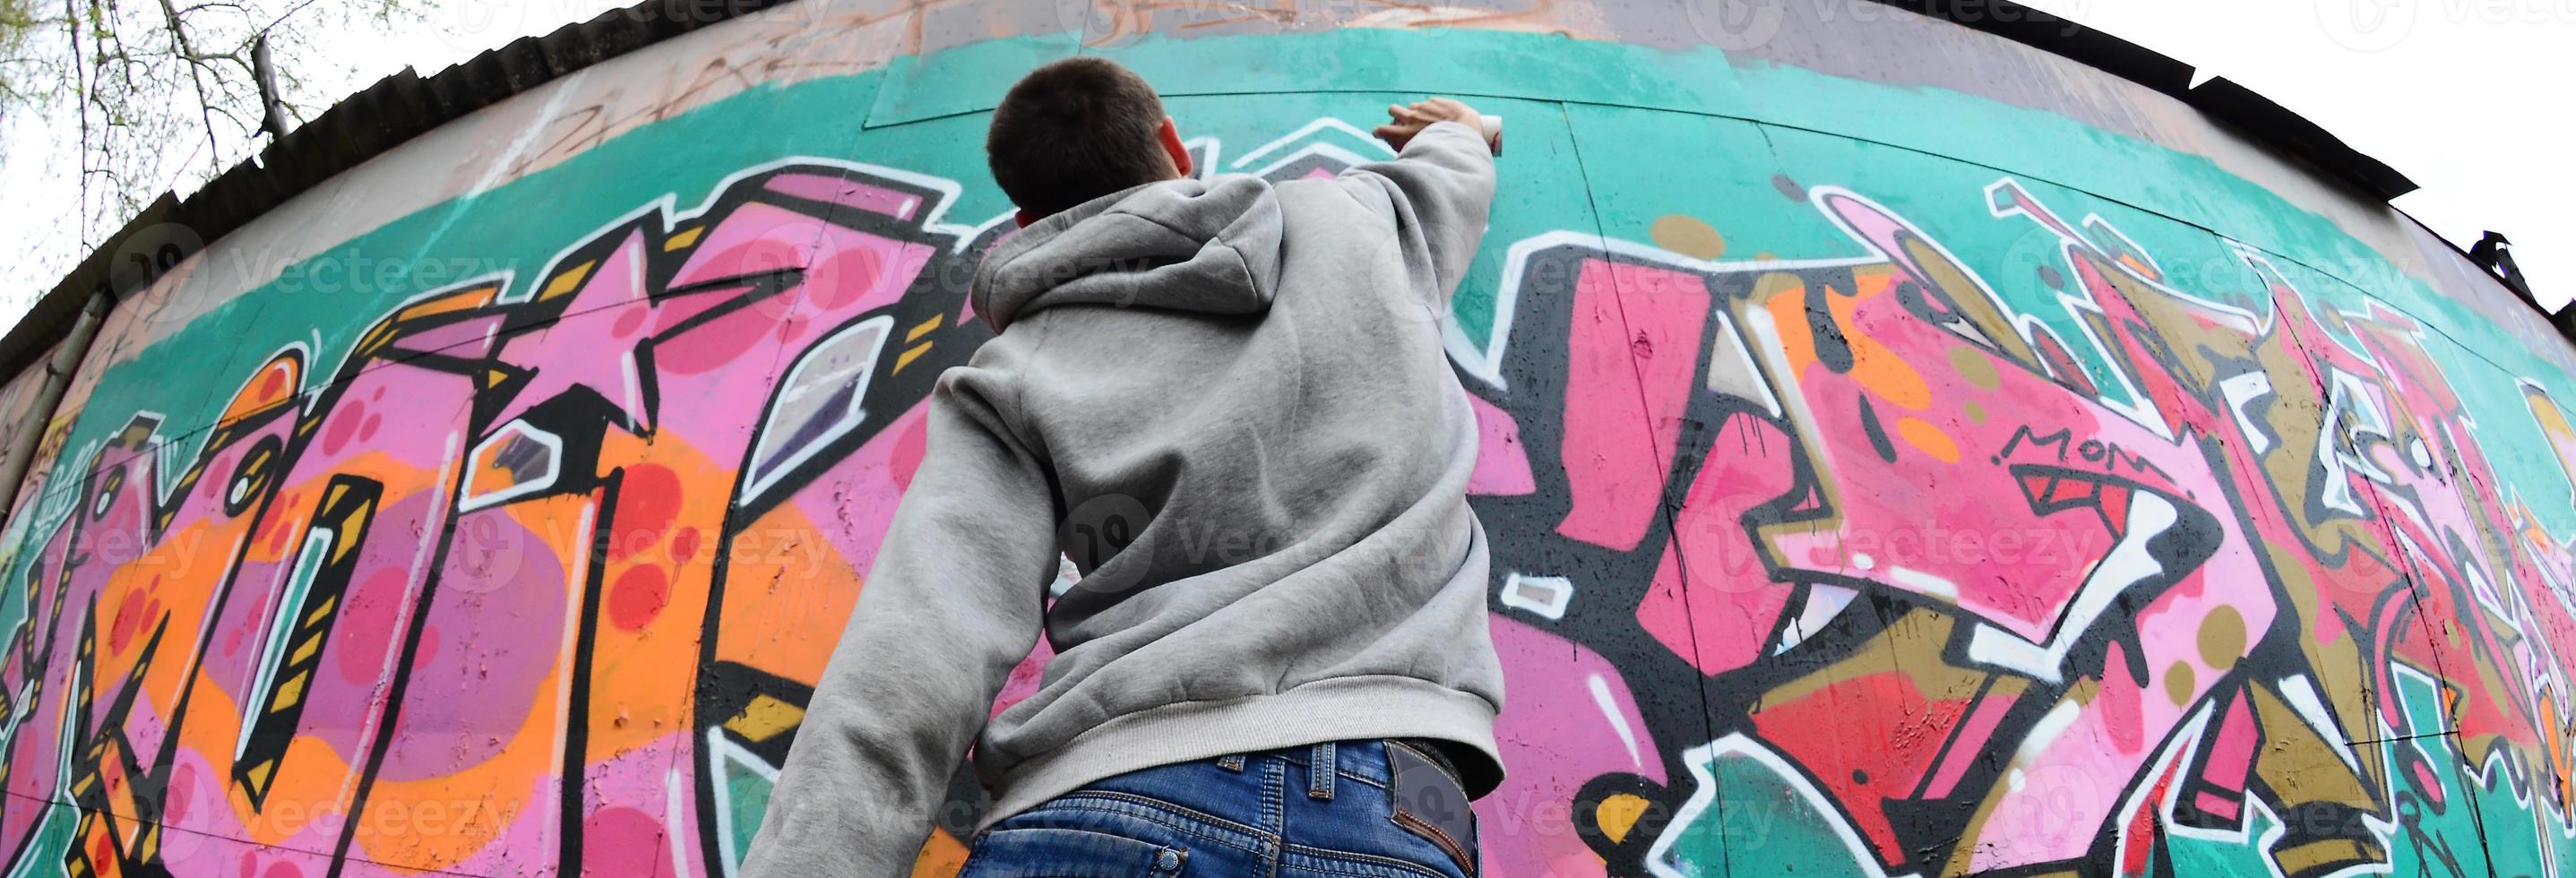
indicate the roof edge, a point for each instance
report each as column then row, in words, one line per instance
column 405, row 105
column 349, row 133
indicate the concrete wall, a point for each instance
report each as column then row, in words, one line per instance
column 1907, row 452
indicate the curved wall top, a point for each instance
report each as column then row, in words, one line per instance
column 1906, row 452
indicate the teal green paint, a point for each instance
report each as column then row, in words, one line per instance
column 2234, row 856
column 1637, row 133
column 1758, row 823
column 1412, row 63
column 13, row 582
column 2512, row 839
column 1643, row 165
column 191, row 374
column 2450, row 828
column 2491, row 822
column 19, row 549
column 2046, row 146
column 2505, row 432
column 1420, row 63
column 52, row 840
column 747, row 798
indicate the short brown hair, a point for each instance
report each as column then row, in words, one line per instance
column 1073, row 131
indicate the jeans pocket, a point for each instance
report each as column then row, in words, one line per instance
column 1068, row 853
column 1429, row 802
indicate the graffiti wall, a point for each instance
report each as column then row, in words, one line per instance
column 1889, row 471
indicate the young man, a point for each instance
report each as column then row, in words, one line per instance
column 1226, row 400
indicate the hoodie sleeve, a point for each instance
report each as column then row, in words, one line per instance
column 1442, row 187
column 953, row 601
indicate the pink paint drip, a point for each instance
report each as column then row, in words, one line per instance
column 1625, row 394
column 1502, row 465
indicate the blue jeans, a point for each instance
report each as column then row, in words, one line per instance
column 1387, row 809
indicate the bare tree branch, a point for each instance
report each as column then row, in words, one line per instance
column 71, row 14
column 283, row 16
column 142, row 78
column 206, row 106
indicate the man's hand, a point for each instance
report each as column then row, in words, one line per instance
column 1409, row 121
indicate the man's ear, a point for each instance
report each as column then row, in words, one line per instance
column 1171, row 137
column 1024, row 218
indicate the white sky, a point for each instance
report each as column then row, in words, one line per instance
column 2467, row 97
column 2464, row 96
column 39, row 188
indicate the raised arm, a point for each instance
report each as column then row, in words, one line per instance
column 1440, row 185
column 955, row 599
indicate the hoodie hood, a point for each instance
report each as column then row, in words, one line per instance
column 1205, row 246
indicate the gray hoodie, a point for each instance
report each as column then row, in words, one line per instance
column 1227, row 402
